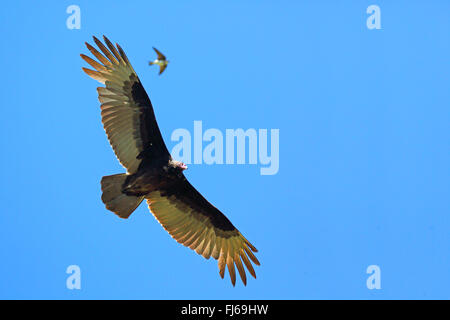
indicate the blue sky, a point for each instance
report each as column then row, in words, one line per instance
column 364, row 148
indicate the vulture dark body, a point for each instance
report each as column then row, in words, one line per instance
column 130, row 124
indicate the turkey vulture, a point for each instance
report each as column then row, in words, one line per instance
column 152, row 174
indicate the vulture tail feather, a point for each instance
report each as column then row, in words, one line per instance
column 114, row 199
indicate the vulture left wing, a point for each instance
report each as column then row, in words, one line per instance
column 127, row 113
column 194, row 222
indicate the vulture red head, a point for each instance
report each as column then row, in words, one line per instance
column 178, row 164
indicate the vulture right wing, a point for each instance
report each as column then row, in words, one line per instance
column 194, row 222
column 127, row 113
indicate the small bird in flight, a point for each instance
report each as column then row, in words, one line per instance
column 152, row 175
column 161, row 61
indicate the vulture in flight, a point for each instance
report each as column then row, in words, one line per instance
column 130, row 124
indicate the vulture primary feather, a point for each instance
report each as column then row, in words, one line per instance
column 130, row 124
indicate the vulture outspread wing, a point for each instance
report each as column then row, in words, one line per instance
column 127, row 113
column 194, row 222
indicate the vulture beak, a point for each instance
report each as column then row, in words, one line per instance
column 183, row 166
